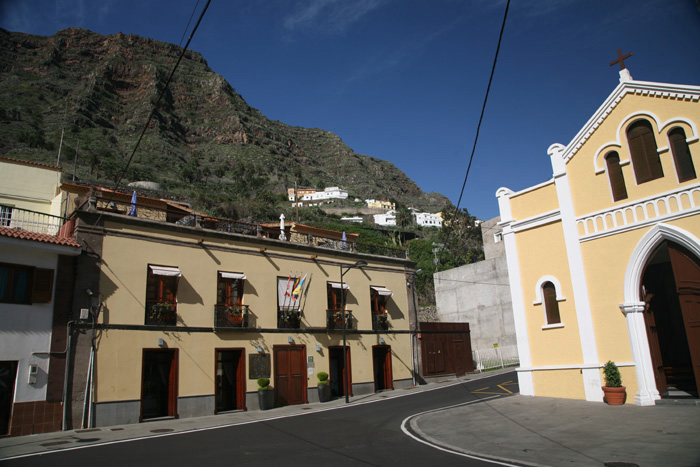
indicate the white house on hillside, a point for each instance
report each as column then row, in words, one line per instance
column 385, row 219
column 427, row 219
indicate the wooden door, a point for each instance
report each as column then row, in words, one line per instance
column 459, row 356
column 687, row 273
column 159, row 384
column 383, row 378
column 230, row 380
column 650, row 309
column 290, row 375
column 8, row 374
column 336, row 373
column 434, row 357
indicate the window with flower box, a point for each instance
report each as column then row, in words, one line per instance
column 161, row 295
column 337, row 300
column 379, row 297
column 229, row 309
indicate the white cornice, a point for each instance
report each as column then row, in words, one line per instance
column 644, row 88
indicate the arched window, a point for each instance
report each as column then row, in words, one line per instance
column 617, row 181
column 551, row 306
column 643, row 149
column 681, row 155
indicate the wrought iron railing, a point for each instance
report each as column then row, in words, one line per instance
column 231, row 316
column 161, row 314
column 288, row 319
column 334, row 320
column 380, row 322
column 31, row 221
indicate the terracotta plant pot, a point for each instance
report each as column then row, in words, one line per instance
column 614, row 396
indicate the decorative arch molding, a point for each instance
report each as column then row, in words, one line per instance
column 633, row 306
column 598, row 162
column 644, row 250
column 538, row 289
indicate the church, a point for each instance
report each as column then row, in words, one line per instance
column 604, row 257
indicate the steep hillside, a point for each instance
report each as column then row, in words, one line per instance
column 205, row 143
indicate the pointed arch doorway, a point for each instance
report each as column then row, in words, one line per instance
column 670, row 289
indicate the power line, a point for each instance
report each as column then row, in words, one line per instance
column 483, row 107
column 160, row 96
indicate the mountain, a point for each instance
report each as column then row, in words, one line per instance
column 204, row 143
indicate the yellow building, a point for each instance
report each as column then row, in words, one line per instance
column 380, row 204
column 604, row 258
column 193, row 312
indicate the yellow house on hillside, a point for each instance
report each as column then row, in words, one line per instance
column 604, row 258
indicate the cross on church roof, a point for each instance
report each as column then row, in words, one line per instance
column 621, row 59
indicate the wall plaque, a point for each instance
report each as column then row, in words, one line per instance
column 259, row 366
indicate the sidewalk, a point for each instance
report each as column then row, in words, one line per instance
column 555, row 432
column 519, row 429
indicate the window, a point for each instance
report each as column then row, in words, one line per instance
column 161, row 295
column 25, row 284
column 229, row 289
column 617, row 181
column 289, row 302
column 379, row 297
column 681, row 155
column 337, row 312
column 643, row 149
column 551, row 306
column 5, row 216
column 229, row 310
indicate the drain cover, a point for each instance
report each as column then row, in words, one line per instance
column 162, row 430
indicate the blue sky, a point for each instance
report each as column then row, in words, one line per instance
column 404, row 80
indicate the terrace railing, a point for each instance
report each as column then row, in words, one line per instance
column 185, row 217
column 32, row 221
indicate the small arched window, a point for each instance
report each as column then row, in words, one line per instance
column 681, row 155
column 617, row 181
column 643, row 149
column 551, row 306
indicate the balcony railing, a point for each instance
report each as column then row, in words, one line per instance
column 161, row 314
column 380, row 322
column 288, row 319
column 231, row 316
column 31, row 221
column 334, row 320
column 184, row 216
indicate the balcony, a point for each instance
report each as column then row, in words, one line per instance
column 230, row 316
column 32, row 221
column 288, row 319
column 380, row 322
column 182, row 215
column 334, row 320
column 161, row 314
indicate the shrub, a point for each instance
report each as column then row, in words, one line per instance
column 263, row 384
column 612, row 375
column 322, row 378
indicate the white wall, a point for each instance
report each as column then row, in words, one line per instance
column 25, row 329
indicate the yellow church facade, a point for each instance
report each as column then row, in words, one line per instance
column 604, row 258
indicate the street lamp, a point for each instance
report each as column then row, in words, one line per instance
column 358, row 264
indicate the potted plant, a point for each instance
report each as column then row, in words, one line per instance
column 324, row 388
column 614, row 392
column 235, row 314
column 266, row 396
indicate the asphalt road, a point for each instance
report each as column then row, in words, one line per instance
column 359, row 434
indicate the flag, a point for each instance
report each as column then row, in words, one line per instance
column 286, row 289
column 297, row 289
column 132, row 209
